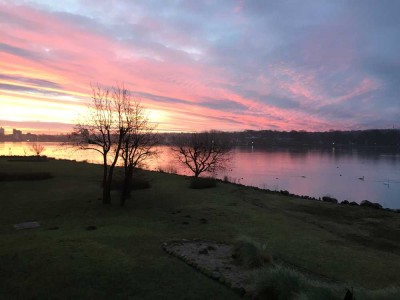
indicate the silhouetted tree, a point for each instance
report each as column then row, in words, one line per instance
column 104, row 129
column 138, row 144
column 37, row 148
column 203, row 152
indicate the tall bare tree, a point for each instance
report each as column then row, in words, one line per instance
column 203, row 152
column 104, row 129
column 138, row 145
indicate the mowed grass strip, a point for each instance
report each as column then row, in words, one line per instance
column 122, row 258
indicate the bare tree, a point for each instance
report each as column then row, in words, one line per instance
column 203, row 152
column 138, row 145
column 104, row 129
column 37, row 148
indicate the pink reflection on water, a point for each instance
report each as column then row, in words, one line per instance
column 322, row 173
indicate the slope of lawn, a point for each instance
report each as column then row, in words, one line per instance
column 122, row 257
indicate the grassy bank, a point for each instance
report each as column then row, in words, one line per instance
column 122, row 257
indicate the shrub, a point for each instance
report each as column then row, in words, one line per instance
column 367, row 203
column 278, row 283
column 25, row 176
column 250, row 254
column 202, row 182
column 284, row 283
column 329, row 199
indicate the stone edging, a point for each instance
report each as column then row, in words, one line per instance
column 213, row 275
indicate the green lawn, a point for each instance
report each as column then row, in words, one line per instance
column 123, row 258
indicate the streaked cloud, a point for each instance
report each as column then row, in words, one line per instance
column 227, row 64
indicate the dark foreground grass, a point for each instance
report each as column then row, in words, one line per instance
column 280, row 283
column 202, row 182
column 7, row 176
column 122, row 257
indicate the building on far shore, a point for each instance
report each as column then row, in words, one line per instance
column 2, row 132
column 17, row 134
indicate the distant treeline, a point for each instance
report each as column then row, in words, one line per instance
column 270, row 138
column 29, row 137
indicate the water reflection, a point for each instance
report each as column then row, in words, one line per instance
column 333, row 172
column 318, row 173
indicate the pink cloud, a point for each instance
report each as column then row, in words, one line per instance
column 57, row 48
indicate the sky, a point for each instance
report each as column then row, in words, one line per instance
column 231, row 65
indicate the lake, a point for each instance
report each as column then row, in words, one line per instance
column 317, row 173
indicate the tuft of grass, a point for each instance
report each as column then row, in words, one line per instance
column 316, row 290
column 202, row 183
column 283, row 283
column 169, row 169
column 24, row 176
column 279, row 283
column 250, row 254
column 391, row 293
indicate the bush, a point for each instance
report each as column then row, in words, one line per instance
column 278, row 283
column 202, row 183
column 329, row 199
column 25, row 176
column 250, row 254
column 367, row 203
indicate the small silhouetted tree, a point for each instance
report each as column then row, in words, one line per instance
column 104, row 129
column 138, row 145
column 203, row 152
column 37, row 148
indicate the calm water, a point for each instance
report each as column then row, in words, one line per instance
column 315, row 173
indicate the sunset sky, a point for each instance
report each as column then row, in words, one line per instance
column 310, row 65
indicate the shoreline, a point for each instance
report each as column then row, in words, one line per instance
column 328, row 199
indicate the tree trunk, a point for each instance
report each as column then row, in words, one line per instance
column 107, row 190
column 105, row 169
column 126, row 189
column 106, row 187
column 107, row 193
